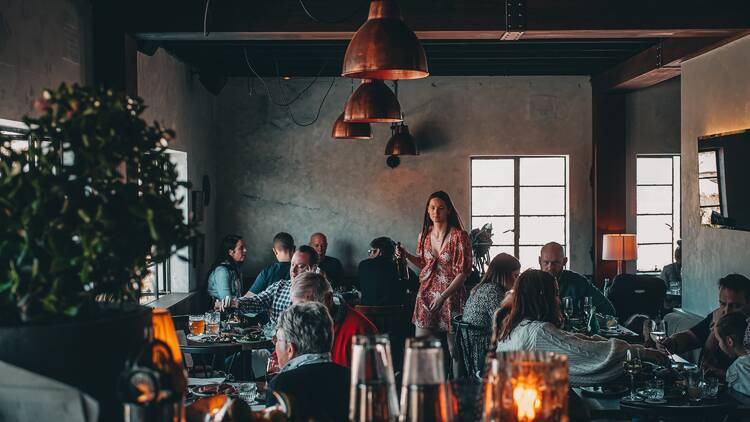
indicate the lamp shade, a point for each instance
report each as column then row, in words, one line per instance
column 372, row 102
column 401, row 142
column 384, row 47
column 619, row 247
column 350, row 130
column 164, row 330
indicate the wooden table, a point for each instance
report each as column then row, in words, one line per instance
column 226, row 349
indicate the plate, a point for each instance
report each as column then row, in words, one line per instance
column 614, row 390
column 209, row 390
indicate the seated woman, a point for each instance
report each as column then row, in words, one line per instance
column 225, row 277
column 534, row 321
column 484, row 299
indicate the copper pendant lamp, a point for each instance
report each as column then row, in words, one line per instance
column 384, row 47
column 372, row 102
column 401, row 142
column 350, row 130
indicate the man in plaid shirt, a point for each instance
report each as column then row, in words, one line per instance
column 276, row 298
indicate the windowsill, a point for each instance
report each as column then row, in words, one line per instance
column 170, row 300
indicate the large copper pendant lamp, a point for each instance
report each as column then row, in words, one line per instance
column 372, row 102
column 350, row 130
column 384, row 47
column 401, row 142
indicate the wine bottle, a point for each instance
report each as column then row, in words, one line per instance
column 401, row 266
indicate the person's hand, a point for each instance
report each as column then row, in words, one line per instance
column 665, row 346
column 436, row 304
column 219, row 305
column 655, row 356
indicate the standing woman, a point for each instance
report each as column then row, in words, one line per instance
column 225, row 277
column 444, row 258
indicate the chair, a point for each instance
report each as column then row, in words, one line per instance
column 472, row 342
column 393, row 320
column 637, row 294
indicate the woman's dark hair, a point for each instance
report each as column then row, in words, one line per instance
column 499, row 271
column 736, row 282
column 536, row 298
column 385, row 244
column 222, row 253
column 454, row 220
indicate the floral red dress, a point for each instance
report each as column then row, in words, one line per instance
column 437, row 274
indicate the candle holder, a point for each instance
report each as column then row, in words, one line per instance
column 525, row 386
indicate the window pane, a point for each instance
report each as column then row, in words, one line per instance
column 654, row 228
column 494, row 250
column 492, row 201
column 709, row 191
column 707, row 164
column 677, row 213
column 499, row 225
column 654, row 199
column 491, row 172
column 706, row 214
column 542, row 171
column 543, row 201
column 541, row 230
column 654, row 257
column 654, row 170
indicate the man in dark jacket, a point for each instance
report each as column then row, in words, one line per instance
column 379, row 280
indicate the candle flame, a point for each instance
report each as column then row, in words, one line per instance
column 527, row 399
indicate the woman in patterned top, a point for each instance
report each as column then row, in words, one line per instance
column 444, row 259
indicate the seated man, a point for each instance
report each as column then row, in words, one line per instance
column 730, row 331
column 672, row 273
column 379, row 280
column 318, row 389
column 331, row 266
column 734, row 294
column 283, row 248
column 552, row 260
column 347, row 322
column 275, row 299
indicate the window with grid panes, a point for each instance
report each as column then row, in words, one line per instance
column 658, row 210
column 526, row 200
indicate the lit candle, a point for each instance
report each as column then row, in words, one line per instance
column 527, row 398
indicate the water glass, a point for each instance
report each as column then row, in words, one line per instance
column 197, row 324
column 587, row 304
column 633, row 367
column 212, row 322
column 372, row 393
column 710, row 387
column 248, row 392
column 655, row 390
column 425, row 393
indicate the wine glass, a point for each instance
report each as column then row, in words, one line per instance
column 568, row 307
column 587, row 303
column 633, row 367
column 658, row 330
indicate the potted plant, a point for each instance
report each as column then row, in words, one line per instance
column 85, row 210
column 481, row 240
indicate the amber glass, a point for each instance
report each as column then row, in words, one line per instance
column 372, row 395
column 426, row 394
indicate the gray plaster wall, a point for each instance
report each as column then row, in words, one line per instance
column 715, row 99
column 176, row 99
column 275, row 176
column 42, row 43
column 652, row 126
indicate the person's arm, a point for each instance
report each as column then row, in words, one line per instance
column 462, row 269
column 416, row 260
column 261, row 282
column 258, row 303
column 687, row 340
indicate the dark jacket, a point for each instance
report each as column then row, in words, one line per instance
column 318, row 391
column 380, row 283
column 577, row 286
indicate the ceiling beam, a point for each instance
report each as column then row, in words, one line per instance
column 183, row 20
column 658, row 63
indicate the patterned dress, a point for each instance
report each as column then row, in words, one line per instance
column 437, row 274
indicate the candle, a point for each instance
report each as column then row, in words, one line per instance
column 527, row 398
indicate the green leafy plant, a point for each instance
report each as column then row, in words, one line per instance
column 481, row 240
column 86, row 208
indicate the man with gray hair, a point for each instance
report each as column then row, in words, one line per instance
column 347, row 321
column 304, row 335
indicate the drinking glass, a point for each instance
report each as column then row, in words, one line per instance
column 425, row 393
column 710, row 387
column 655, row 390
column 197, row 324
column 587, row 303
column 212, row 322
column 658, row 330
column 248, row 392
column 372, row 393
column 567, row 303
column 633, row 367
column 694, row 381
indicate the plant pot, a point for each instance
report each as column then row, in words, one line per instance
column 88, row 355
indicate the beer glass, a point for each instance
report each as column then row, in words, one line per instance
column 372, row 393
column 425, row 393
column 197, row 324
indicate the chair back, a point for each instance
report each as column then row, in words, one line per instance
column 637, row 294
column 473, row 342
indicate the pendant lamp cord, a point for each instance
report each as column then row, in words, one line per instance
column 318, row 20
column 205, row 19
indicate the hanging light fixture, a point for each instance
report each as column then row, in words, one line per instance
column 372, row 102
column 401, row 142
column 350, row 130
column 384, row 47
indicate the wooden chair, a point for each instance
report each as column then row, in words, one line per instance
column 471, row 340
column 393, row 320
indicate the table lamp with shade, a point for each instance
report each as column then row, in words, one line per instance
column 619, row 247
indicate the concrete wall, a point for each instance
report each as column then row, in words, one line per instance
column 176, row 99
column 42, row 43
column 715, row 98
column 275, row 176
column 652, row 125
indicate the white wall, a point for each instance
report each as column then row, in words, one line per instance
column 715, row 98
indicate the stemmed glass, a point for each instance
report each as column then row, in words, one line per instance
column 567, row 303
column 658, row 330
column 587, row 303
column 633, row 367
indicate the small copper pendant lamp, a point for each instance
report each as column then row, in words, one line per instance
column 350, row 130
column 372, row 102
column 401, row 142
column 384, row 47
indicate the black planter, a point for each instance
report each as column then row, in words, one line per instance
column 88, row 355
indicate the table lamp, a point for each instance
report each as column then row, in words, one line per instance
column 619, row 247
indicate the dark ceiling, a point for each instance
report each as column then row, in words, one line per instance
column 445, row 58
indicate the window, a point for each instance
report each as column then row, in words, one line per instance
column 526, row 200
column 709, row 180
column 658, row 210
